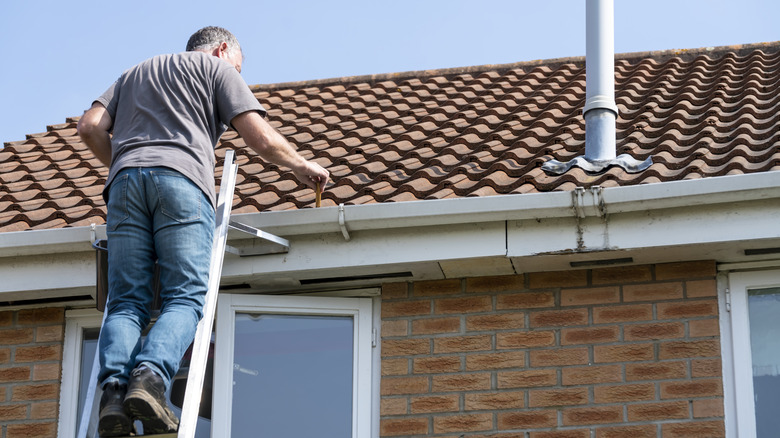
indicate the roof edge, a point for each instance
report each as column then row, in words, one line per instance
column 685, row 54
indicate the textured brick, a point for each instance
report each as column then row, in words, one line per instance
column 527, row 419
column 708, row 408
column 32, row 430
column 6, row 318
column 404, row 385
column 437, row 364
column 463, row 305
column 526, row 300
column 42, row 316
column 709, row 429
column 541, row 280
column 559, row 318
column 590, row 296
column 591, row 335
column 405, row 347
column 527, row 339
column 701, row 288
column 623, row 353
column 494, row 322
column 393, row 309
column 38, row 353
column 393, row 328
column 495, row 361
column 673, row 271
column 395, row 290
column 15, row 374
column 622, row 275
column 437, row 288
column 657, row 411
column 661, row 330
column 403, row 426
column 692, row 309
column 429, row 326
column 502, row 283
column 50, row 333
column 463, row 423
column 462, row 344
column 689, row 349
column 44, row 411
column 645, row 431
column 592, row 415
column 5, row 355
column 706, row 368
column 691, row 389
column 701, row 328
column 543, row 398
column 17, row 336
column 461, row 382
column 653, row 292
column 45, row 391
column 395, row 367
column 624, row 393
column 435, row 403
column 573, row 433
column 656, row 371
column 527, row 378
column 13, row 412
column 393, row 406
column 559, row 357
column 495, row 401
column 613, row 314
column 591, row 374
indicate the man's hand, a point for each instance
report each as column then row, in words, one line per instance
column 272, row 146
column 94, row 129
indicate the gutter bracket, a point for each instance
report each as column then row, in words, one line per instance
column 343, row 223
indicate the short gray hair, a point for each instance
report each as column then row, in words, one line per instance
column 210, row 37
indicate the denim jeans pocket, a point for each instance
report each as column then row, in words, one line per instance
column 180, row 199
column 117, row 202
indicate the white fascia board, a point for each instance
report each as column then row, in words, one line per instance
column 422, row 232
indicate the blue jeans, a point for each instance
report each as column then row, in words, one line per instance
column 154, row 214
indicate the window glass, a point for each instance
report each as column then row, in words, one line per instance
column 292, row 376
column 764, row 312
column 88, row 350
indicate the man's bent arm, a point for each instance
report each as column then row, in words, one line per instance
column 94, row 129
column 272, row 146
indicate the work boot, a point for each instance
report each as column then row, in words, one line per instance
column 145, row 401
column 113, row 420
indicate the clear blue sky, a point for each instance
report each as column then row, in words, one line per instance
column 60, row 55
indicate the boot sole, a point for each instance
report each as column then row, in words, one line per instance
column 155, row 418
column 114, row 422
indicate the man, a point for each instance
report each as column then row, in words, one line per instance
column 166, row 115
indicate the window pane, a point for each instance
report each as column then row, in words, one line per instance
column 292, row 376
column 764, row 308
column 88, row 350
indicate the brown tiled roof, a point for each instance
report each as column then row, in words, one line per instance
column 476, row 131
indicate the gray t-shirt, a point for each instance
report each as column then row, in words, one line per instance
column 170, row 111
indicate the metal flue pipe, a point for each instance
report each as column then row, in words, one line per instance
column 600, row 110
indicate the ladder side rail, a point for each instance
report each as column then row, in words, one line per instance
column 192, row 394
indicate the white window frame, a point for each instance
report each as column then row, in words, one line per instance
column 76, row 321
column 739, row 397
column 363, row 384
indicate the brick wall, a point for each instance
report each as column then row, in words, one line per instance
column 614, row 352
column 30, row 369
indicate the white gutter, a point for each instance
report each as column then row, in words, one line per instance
column 659, row 196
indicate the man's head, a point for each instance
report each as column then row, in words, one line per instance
column 218, row 42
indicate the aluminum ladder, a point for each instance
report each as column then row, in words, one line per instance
column 269, row 244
